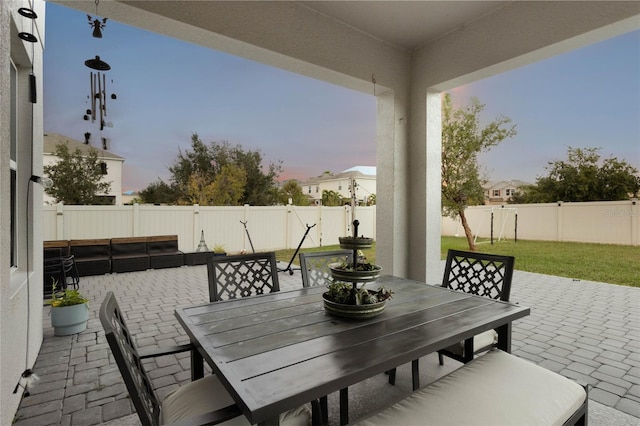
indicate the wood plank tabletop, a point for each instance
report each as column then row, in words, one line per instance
column 277, row 351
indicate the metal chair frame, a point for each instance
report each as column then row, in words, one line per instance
column 136, row 379
column 232, row 277
column 315, row 265
column 65, row 269
column 481, row 274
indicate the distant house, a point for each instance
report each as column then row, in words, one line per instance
column 363, row 176
column 500, row 192
column 112, row 164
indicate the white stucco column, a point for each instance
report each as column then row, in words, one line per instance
column 391, row 173
column 424, row 174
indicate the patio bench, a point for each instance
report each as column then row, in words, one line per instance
column 494, row 389
column 129, row 254
column 163, row 252
column 92, row 256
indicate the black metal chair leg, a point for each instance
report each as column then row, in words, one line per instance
column 415, row 374
column 392, row 376
column 324, row 406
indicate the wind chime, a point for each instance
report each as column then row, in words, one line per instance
column 98, row 86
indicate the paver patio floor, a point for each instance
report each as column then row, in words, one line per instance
column 586, row 331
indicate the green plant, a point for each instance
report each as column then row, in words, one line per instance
column 68, row 297
column 348, row 294
column 219, row 248
column 360, row 266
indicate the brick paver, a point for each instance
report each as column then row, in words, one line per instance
column 587, row 331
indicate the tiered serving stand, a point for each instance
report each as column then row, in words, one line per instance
column 354, row 276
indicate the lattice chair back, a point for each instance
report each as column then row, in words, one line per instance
column 233, row 277
column 70, row 272
column 315, row 266
column 482, row 274
column 126, row 355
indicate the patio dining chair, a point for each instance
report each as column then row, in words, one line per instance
column 63, row 271
column 315, row 265
column 232, row 277
column 480, row 274
column 203, row 401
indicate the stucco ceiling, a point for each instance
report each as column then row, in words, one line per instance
column 405, row 24
column 402, row 24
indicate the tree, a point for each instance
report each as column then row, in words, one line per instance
column 462, row 140
column 292, row 190
column 331, row 198
column 583, row 177
column 204, row 163
column 371, row 200
column 77, row 177
column 158, row 192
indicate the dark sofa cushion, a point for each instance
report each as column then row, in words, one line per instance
column 92, row 256
column 163, row 252
column 129, row 254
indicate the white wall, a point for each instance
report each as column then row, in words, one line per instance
column 21, row 285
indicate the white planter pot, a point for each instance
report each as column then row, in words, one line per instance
column 69, row 319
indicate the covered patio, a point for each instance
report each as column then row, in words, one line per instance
column 413, row 51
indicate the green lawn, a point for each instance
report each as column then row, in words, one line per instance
column 607, row 263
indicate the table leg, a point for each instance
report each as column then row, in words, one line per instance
column 197, row 364
column 504, row 337
column 344, row 406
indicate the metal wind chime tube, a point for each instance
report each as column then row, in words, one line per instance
column 98, row 82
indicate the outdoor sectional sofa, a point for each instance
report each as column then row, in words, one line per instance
column 107, row 255
column 163, row 252
column 92, row 256
column 129, row 254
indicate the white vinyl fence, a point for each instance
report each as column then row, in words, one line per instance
column 605, row 222
column 282, row 227
column 270, row 228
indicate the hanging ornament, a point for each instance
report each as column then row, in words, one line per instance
column 96, row 24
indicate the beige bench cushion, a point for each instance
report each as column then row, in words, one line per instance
column 482, row 340
column 494, row 389
column 208, row 394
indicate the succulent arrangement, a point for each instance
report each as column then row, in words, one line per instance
column 347, row 294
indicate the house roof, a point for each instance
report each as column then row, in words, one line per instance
column 367, row 172
column 504, row 183
column 51, row 140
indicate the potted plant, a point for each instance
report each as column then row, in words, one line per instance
column 359, row 271
column 349, row 301
column 219, row 250
column 69, row 311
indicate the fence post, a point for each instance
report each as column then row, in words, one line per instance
column 196, row 224
column 635, row 220
column 60, row 222
column 319, row 222
column 559, row 222
column 136, row 220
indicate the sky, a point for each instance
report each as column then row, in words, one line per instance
column 168, row 90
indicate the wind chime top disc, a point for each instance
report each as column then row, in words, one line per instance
column 97, row 64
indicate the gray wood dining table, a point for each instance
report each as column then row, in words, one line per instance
column 277, row 351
